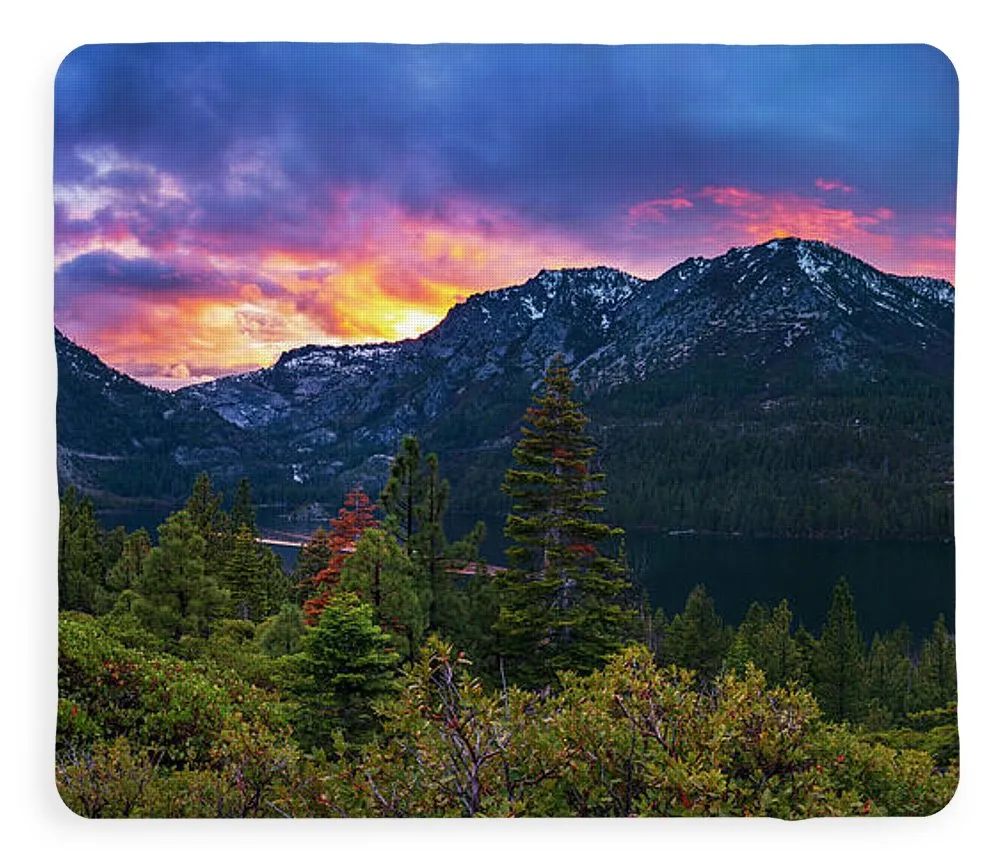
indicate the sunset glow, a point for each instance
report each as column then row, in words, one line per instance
column 292, row 194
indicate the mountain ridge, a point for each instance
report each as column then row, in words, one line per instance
column 774, row 324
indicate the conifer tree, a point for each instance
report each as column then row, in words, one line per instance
column 204, row 506
column 249, row 575
column 313, row 557
column 282, row 634
column 177, row 596
column 936, row 682
column 415, row 500
column 748, row 642
column 890, row 675
column 357, row 515
column 382, row 575
column 781, row 657
column 697, row 639
column 347, row 663
column 401, row 498
column 560, row 600
column 81, row 556
column 242, row 513
column 839, row 660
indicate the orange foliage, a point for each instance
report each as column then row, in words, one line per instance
column 357, row 515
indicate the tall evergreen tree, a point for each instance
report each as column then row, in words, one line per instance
column 346, row 664
column 81, row 555
column 560, row 600
column 890, row 676
column 253, row 576
column 780, row 655
column 936, row 682
column 839, row 660
column 313, row 557
column 177, row 596
column 415, row 500
column 242, row 513
column 282, row 634
column 381, row 574
column 204, row 506
column 403, row 494
column 698, row 639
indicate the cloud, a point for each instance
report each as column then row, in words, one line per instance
column 830, row 185
column 236, row 198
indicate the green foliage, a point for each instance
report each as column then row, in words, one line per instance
column 936, row 683
column 253, row 576
column 631, row 739
column 347, row 662
column 415, row 501
column 127, row 567
column 154, row 700
column 839, row 660
column 204, row 506
column 765, row 638
column 313, row 558
column 176, row 596
column 445, row 747
column 932, row 731
column 889, row 678
column 697, row 639
column 81, row 558
column 242, row 515
column 282, row 634
column 108, row 781
column 561, row 599
column 381, row 574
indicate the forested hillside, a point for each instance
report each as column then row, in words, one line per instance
column 394, row 674
column 787, row 389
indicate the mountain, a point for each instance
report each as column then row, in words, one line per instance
column 782, row 388
column 119, row 440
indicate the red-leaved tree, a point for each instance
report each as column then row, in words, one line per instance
column 357, row 515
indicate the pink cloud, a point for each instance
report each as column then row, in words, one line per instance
column 829, row 185
column 652, row 210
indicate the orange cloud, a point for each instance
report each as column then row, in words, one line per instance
column 750, row 217
column 397, row 278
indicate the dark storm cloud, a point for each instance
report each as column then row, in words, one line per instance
column 110, row 270
column 561, row 133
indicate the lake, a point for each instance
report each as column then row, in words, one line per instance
column 892, row 581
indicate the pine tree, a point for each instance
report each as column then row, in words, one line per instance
column 781, row 657
column 748, row 643
column 249, row 575
column 177, row 596
column 347, row 663
column 204, row 506
column 414, row 501
column 403, row 493
column 242, row 513
column 313, row 557
column 282, row 634
column 81, row 556
column 936, row 681
column 697, row 639
column 890, row 676
column 382, row 575
column 560, row 601
column 839, row 661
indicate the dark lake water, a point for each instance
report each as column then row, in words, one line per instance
column 893, row 582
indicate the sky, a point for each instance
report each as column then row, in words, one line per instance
column 219, row 203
